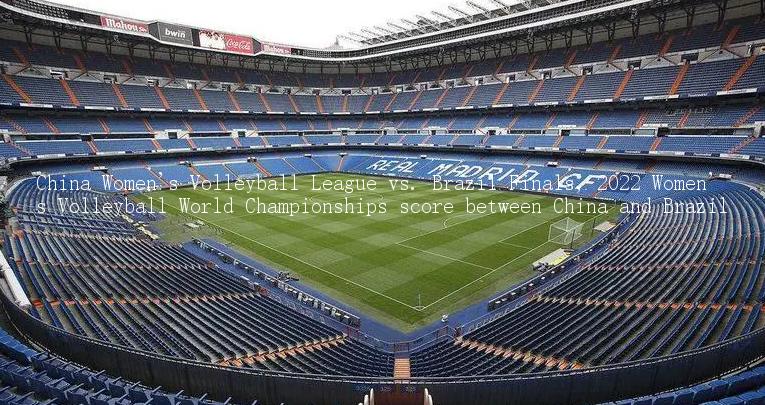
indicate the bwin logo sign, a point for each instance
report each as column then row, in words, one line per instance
column 174, row 33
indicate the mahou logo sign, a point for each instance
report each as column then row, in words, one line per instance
column 122, row 24
column 276, row 49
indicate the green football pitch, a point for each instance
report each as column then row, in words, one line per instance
column 403, row 269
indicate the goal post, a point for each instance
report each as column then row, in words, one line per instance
column 565, row 231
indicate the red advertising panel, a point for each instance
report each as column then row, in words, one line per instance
column 122, row 24
column 226, row 42
column 276, row 49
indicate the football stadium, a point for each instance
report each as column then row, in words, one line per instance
column 509, row 202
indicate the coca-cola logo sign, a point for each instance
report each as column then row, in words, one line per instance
column 276, row 49
column 118, row 23
column 240, row 44
column 225, row 42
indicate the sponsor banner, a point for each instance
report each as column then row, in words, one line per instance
column 123, row 24
column 173, row 33
column 226, row 42
column 668, row 97
column 275, row 49
column 34, row 105
column 598, row 100
column 738, row 91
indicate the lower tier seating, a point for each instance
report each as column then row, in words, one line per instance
column 99, row 279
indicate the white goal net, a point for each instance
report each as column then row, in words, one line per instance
column 565, row 231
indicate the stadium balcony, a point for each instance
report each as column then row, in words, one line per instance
column 583, row 131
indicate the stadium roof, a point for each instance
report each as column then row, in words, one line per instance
column 473, row 11
column 474, row 30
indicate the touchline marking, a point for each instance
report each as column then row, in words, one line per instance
column 299, row 260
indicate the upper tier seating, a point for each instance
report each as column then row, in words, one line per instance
column 701, row 37
column 654, row 78
column 706, row 78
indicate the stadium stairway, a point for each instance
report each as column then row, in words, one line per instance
column 234, row 101
column 371, row 99
column 69, row 92
column 740, row 72
column 656, row 144
column 742, row 145
column 401, row 367
column 200, row 99
column 623, row 84
column 749, row 114
column 642, row 118
column 265, row 102
column 162, row 97
column 156, row 144
column 501, row 93
column 414, row 100
column 469, row 96
column 535, row 92
column 575, row 90
column 592, row 121
column 51, row 126
column 679, row 78
column 263, row 171
column 13, row 85
column 14, row 124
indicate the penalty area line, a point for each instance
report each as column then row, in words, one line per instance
column 483, row 276
column 443, row 256
column 441, row 229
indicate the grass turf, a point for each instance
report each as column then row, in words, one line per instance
column 405, row 270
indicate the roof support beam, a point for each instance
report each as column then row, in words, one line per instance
column 414, row 25
column 610, row 30
column 447, row 20
column 722, row 7
column 465, row 14
column 661, row 20
column 483, row 10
